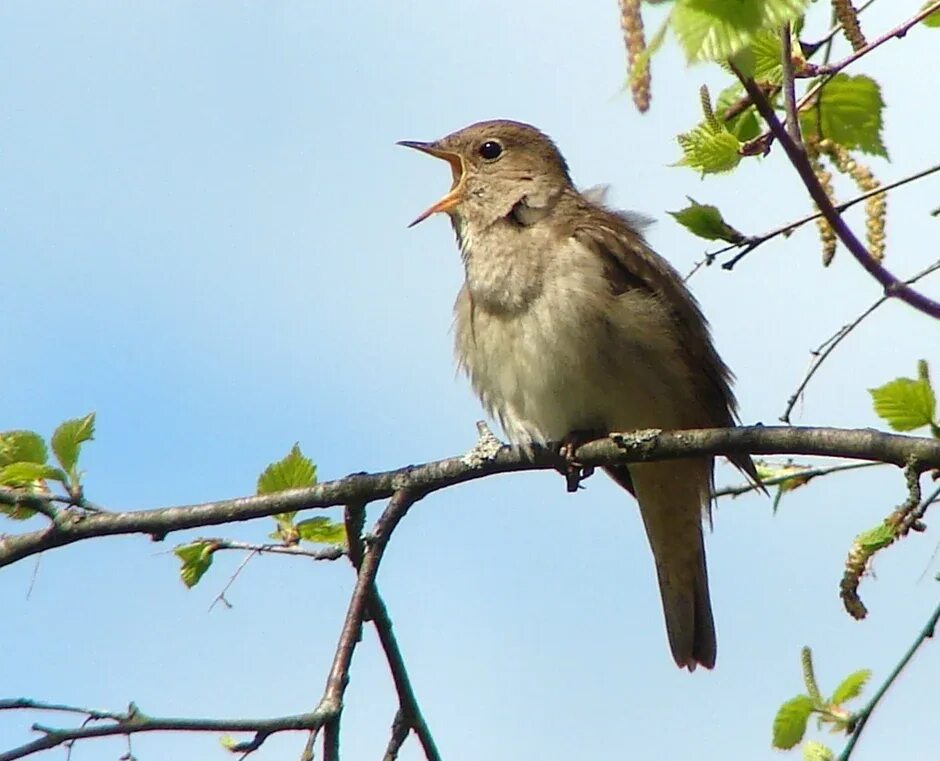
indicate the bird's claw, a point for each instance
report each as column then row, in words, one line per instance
column 574, row 472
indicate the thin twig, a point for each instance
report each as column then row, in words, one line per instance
column 862, row 717
column 806, row 474
column 789, row 92
column 892, row 286
column 898, row 32
column 333, row 552
column 220, row 597
column 834, row 30
column 134, row 721
column 752, row 242
column 822, row 352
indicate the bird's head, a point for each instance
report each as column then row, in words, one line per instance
column 498, row 167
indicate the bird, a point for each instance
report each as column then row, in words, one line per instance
column 569, row 326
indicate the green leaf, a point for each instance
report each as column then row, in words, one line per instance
column 706, row 221
column 768, row 53
column 293, row 472
column 24, row 474
column 709, row 151
column 790, row 722
column 68, row 438
column 816, row 751
column 22, row 446
column 849, row 112
column 904, row 403
column 850, row 687
column 933, row 20
column 196, row 557
column 877, row 538
column 710, row 147
column 713, row 30
column 322, row 530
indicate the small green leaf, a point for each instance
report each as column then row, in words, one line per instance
column 905, row 404
column 68, row 439
column 790, row 722
column 713, row 30
column 26, row 474
column 322, row 530
column 933, row 20
column 816, row 751
column 196, row 557
column 293, row 472
column 850, row 687
column 877, row 538
column 22, row 446
column 708, row 151
column 849, row 112
column 706, row 221
column 228, row 742
column 710, row 147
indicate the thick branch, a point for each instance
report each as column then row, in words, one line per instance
column 863, row 444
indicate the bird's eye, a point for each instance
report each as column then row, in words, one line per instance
column 491, row 150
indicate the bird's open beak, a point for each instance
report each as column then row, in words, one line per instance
column 449, row 201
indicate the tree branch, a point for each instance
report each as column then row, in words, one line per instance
column 892, row 286
column 899, row 31
column 803, row 474
column 821, row 353
column 408, row 717
column 862, row 717
column 134, row 721
column 753, row 241
column 645, row 446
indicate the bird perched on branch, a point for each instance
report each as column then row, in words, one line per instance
column 569, row 327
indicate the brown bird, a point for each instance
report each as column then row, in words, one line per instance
column 569, row 323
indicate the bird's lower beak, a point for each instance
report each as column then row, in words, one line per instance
column 454, row 197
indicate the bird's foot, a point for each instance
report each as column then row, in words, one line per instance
column 575, row 472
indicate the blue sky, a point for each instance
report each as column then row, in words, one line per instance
column 204, row 240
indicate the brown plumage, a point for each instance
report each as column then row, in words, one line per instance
column 569, row 322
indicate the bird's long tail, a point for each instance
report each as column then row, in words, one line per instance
column 672, row 496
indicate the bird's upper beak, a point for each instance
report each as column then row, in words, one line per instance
column 455, row 195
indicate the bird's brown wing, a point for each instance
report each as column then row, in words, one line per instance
column 631, row 264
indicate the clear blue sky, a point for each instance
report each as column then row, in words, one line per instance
column 203, row 229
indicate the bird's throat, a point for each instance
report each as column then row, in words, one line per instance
column 503, row 265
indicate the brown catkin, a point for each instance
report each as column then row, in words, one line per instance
column 632, row 24
column 827, row 236
column 876, row 207
column 848, row 18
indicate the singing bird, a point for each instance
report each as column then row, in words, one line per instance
column 569, row 324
